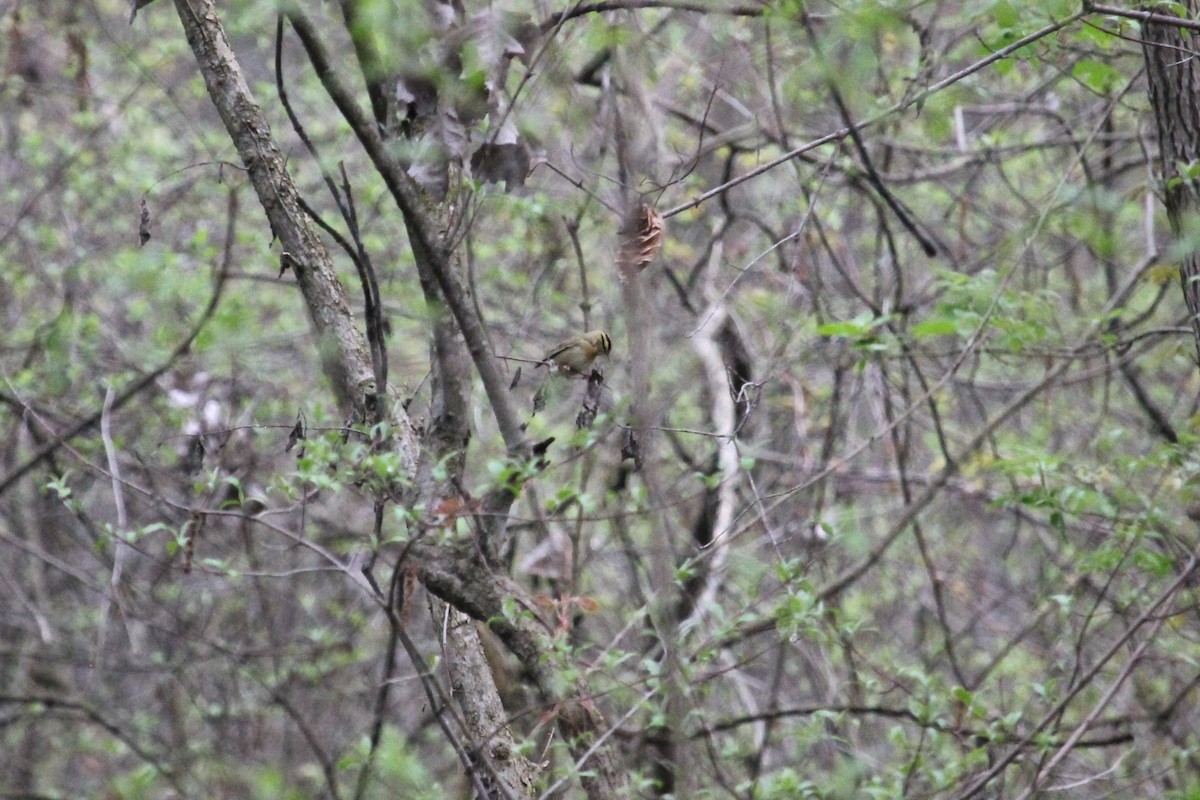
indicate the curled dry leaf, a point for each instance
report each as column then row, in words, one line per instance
column 631, row 449
column 297, row 434
column 497, row 162
column 193, row 528
column 587, row 605
column 539, row 453
column 144, row 224
column 641, row 239
column 446, row 511
column 135, row 6
column 540, row 396
column 286, row 261
column 591, row 400
column 408, row 587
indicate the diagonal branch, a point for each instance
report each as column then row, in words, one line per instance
column 427, row 248
column 125, row 395
column 344, row 354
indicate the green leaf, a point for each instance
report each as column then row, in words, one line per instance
column 839, row 329
column 1005, row 14
column 1098, row 76
column 939, row 326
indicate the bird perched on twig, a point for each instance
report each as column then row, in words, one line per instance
column 572, row 358
column 577, row 354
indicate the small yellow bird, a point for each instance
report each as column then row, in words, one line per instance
column 577, row 354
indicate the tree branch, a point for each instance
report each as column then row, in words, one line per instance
column 427, row 249
column 345, row 358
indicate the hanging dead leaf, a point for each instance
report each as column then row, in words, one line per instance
column 539, row 453
column 588, row 605
column 135, row 6
column 193, row 460
column 296, row 434
column 446, row 511
column 408, row 587
column 591, row 400
column 144, row 224
column 498, row 162
column 192, row 531
column 641, row 239
column 631, row 449
column 286, row 261
column 539, row 397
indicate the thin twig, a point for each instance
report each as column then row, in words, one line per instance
column 122, row 551
column 919, row 97
column 328, row 768
column 439, row 704
column 131, row 391
column 358, row 253
column 581, row 9
column 430, row 254
column 1141, row 16
column 1151, row 613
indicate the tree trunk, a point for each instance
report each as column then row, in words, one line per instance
column 465, row 583
column 1174, row 78
column 344, row 350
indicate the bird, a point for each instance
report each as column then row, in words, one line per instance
column 577, row 354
